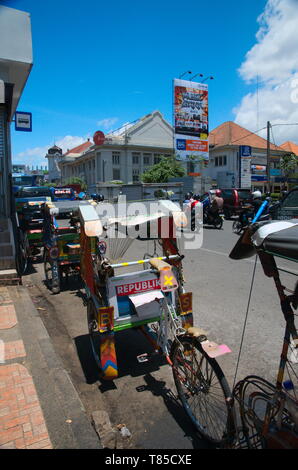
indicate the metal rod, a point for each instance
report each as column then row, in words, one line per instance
column 142, row 261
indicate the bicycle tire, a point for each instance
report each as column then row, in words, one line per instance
column 53, row 280
column 213, row 421
column 22, row 256
column 93, row 332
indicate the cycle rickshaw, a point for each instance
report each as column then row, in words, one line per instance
column 29, row 230
column 61, row 241
column 256, row 414
column 152, row 300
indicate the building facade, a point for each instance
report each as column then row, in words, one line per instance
column 225, row 166
column 123, row 156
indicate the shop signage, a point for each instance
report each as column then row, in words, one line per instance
column 99, row 138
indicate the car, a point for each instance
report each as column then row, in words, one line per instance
column 287, row 207
column 234, row 199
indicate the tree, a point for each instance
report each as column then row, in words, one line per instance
column 161, row 172
column 288, row 163
column 76, row 180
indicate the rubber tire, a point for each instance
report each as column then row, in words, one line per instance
column 218, row 223
column 237, row 227
column 228, row 434
column 93, row 335
column 22, row 256
column 56, row 288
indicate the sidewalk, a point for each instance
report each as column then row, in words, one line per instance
column 39, row 406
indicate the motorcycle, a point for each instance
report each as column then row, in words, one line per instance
column 244, row 220
column 215, row 219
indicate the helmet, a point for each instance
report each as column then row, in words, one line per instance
column 218, row 192
column 196, row 197
column 93, row 196
column 188, row 196
column 256, row 194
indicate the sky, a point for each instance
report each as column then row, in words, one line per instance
column 98, row 65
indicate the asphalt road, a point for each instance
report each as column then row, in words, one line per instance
column 144, row 396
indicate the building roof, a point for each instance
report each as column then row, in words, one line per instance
column 290, row 147
column 79, row 149
column 230, row 133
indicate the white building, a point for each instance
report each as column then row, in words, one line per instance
column 224, row 162
column 123, row 156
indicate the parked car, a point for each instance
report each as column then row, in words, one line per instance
column 287, row 208
column 234, row 199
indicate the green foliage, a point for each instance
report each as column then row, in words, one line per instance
column 167, row 168
column 76, row 180
column 288, row 163
column 49, row 184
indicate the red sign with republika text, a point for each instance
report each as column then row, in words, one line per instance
column 138, row 287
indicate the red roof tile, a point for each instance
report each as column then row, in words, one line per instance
column 80, row 148
column 290, row 147
column 230, row 133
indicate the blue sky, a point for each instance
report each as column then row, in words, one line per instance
column 98, row 65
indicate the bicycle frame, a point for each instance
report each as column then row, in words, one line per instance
column 279, row 403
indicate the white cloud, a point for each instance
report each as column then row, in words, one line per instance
column 107, row 122
column 274, row 57
column 273, row 62
column 36, row 155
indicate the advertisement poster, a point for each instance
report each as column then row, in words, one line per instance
column 191, row 119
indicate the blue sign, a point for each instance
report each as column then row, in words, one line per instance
column 23, row 121
column 275, row 172
column 259, row 177
column 244, row 151
column 181, row 144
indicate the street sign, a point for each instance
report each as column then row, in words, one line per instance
column 23, row 121
column 244, row 166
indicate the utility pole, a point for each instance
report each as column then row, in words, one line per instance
column 268, row 155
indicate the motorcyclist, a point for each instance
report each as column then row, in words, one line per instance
column 253, row 208
column 216, row 205
column 188, row 197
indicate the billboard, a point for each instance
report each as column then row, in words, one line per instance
column 191, row 119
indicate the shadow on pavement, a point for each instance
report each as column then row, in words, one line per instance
column 158, row 388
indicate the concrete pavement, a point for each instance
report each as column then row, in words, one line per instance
column 39, row 406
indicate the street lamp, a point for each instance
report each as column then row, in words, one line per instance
column 200, row 75
column 188, row 71
column 210, row 78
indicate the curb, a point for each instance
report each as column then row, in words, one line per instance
column 64, row 413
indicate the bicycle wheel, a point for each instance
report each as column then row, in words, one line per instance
column 22, row 253
column 237, row 227
column 52, row 274
column 93, row 331
column 203, row 390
